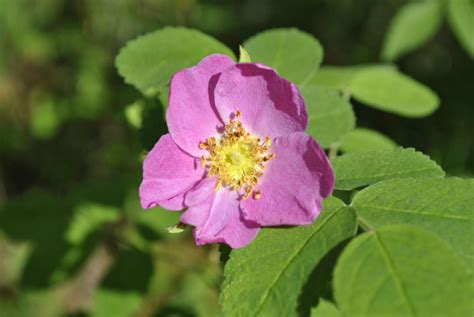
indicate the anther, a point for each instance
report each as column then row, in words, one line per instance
column 268, row 141
column 203, row 161
column 257, row 195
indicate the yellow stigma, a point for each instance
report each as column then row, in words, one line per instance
column 237, row 158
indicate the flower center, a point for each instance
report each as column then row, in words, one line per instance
column 237, row 158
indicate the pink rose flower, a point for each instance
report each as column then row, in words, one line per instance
column 237, row 155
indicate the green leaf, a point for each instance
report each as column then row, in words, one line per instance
column 134, row 113
column 114, row 303
column 393, row 92
column 40, row 218
column 296, row 55
column 149, row 61
column 45, row 119
column 89, row 217
column 330, row 116
column 244, row 55
column 266, row 278
column 413, row 25
column 359, row 169
column 363, row 139
column 339, row 77
column 325, row 309
column 443, row 206
column 402, row 270
column 461, row 18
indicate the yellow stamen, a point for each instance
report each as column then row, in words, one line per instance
column 237, row 158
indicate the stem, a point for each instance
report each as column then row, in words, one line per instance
column 78, row 296
column 364, row 225
column 333, row 149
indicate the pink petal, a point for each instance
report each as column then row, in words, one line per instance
column 191, row 114
column 294, row 184
column 199, row 199
column 270, row 105
column 224, row 221
column 168, row 174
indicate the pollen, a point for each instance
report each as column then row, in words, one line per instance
column 237, row 159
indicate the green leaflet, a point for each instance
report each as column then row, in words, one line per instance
column 339, row 77
column 394, row 92
column 330, row 116
column 266, row 277
column 443, row 206
column 115, row 303
column 296, row 55
column 363, row 139
column 413, row 25
column 461, row 18
column 402, row 270
column 89, row 217
column 149, row 61
column 359, row 169
column 325, row 309
column 381, row 87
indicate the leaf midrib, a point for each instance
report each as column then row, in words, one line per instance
column 265, row 297
column 396, row 277
column 395, row 210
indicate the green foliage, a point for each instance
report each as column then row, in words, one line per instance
column 359, row 169
column 461, row 19
column 393, row 92
column 72, row 152
column 88, row 218
column 265, row 278
column 330, row 116
column 443, row 206
column 45, row 119
column 296, row 55
column 413, row 25
column 13, row 259
column 325, row 309
column 341, row 78
column 363, row 139
column 115, row 303
column 401, row 270
column 149, row 61
column 381, row 87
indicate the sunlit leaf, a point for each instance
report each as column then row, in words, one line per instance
column 149, row 61
column 358, row 169
column 363, row 139
column 444, row 206
column 115, row 303
column 89, row 217
column 266, row 277
column 394, row 92
column 330, row 116
column 402, row 270
column 325, row 309
column 413, row 25
column 295, row 54
column 461, row 18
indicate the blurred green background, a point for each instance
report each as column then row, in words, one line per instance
column 73, row 239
